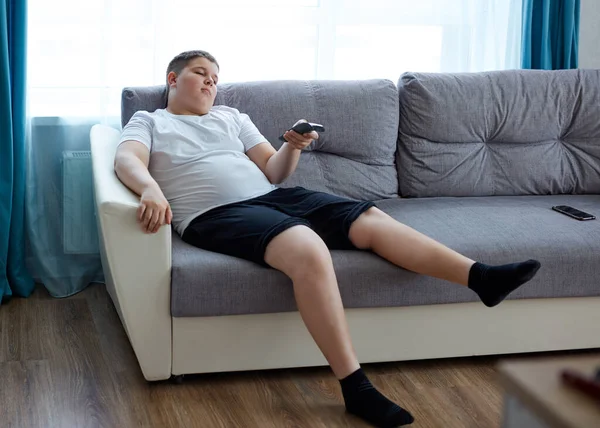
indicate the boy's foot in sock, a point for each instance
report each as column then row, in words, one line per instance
column 364, row 401
column 494, row 283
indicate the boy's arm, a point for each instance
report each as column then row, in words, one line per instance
column 131, row 166
column 279, row 165
column 276, row 165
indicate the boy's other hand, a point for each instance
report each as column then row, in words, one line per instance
column 154, row 210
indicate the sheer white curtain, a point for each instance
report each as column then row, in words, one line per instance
column 82, row 53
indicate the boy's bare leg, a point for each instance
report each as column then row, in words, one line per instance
column 407, row 248
column 303, row 256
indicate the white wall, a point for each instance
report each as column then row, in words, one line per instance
column 589, row 34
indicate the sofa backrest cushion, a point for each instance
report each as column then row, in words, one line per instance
column 354, row 157
column 513, row 132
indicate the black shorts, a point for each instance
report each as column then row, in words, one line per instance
column 244, row 229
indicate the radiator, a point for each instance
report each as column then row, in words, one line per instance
column 80, row 234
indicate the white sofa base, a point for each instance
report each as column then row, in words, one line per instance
column 268, row 341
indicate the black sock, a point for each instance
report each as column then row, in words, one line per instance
column 364, row 401
column 494, row 283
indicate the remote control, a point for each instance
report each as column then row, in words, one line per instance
column 306, row 127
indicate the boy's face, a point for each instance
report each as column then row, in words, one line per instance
column 195, row 88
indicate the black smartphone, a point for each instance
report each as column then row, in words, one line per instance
column 306, row 127
column 573, row 212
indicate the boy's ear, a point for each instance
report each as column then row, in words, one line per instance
column 171, row 78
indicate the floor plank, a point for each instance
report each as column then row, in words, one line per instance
column 68, row 363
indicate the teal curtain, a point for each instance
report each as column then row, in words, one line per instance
column 550, row 34
column 14, row 278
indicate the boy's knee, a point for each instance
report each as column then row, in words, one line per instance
column 361, row 231
column 312, row 260
column 298, row 251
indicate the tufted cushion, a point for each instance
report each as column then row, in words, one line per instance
column 353, row 158
column 499, row 133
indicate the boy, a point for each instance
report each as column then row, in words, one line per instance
column 212, row 174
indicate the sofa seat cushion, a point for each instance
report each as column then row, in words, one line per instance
column 494, row 230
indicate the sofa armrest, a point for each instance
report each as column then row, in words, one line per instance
column 137, row 266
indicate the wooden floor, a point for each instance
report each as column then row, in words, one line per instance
column 68, row 363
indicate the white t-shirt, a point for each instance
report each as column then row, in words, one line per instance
column 199, row 162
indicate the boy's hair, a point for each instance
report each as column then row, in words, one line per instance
column 178, row 63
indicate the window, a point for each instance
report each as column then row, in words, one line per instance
column 81, row 54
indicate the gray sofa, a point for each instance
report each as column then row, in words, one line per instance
column 476, row 161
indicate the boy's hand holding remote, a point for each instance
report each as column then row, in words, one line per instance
column 302, row 134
